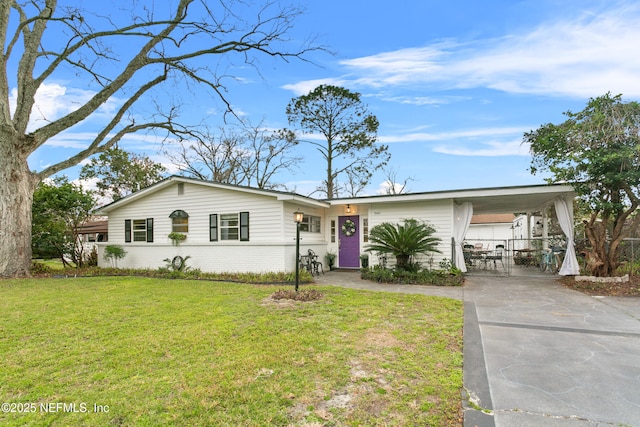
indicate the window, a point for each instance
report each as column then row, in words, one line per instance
column 140, row 229
column 310, row 223
column 365, row 229
column 333, row 231
column 233, row 226
column 229, row 226
column 179, row 221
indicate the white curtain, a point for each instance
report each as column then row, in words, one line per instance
column 564, row 212
column 462, row 213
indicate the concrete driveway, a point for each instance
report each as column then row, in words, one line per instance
column 538, row 354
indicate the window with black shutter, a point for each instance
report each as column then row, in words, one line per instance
column 213, row 227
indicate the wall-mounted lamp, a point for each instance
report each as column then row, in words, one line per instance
column 348, row 209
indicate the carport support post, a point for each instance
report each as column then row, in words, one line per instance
column 453, row 252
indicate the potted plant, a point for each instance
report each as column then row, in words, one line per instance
column 364, row 260
column 176, row 238
column 330, row 257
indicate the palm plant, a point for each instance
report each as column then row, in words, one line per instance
column 403, row 240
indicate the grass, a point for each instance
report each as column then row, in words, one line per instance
column 155, row 352
column 53, row 264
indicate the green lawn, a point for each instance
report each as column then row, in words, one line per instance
column 139, row 351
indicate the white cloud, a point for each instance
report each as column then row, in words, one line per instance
column 454, row 135
column 53, row 100
column 485, row 149
column 583, row 56
column 385, row 188
column 304, row 87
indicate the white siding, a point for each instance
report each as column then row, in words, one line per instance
column 499, row 231
column 265, row 250
column 438, row 213
column 308, row 240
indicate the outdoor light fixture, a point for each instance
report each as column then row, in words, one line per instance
column 297, row 217
column 348, row 209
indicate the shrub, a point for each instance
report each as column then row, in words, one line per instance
column 423, row 277
column 113, row 253
column 404, row 241
column 92, row 258
column 38, row 268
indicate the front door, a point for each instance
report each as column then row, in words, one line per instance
column 349, row 241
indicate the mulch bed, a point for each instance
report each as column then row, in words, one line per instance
column 626, row 289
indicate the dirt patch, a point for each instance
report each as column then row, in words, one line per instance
column 380, row 339
column 615, row 289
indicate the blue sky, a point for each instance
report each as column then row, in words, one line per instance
column 454, row 84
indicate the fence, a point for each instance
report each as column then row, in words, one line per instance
column 628, row 255
column 523, row 257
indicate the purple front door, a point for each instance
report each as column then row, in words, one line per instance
column 349, row 241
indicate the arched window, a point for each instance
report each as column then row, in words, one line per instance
column 180, row 221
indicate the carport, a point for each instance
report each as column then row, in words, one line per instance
column 526, row 200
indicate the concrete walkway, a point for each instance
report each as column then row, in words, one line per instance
column 538, row 354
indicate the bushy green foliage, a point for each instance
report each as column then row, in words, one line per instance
column 60, row 207
column 273, row 277
column 38, row 268
column 113, row 253
column 118, row 172
column 451, row 277
column 596, row 151
column 404, row 241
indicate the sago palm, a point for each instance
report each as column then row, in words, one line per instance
column 403, row 240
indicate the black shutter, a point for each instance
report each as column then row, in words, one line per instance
column 127, row 231
column 213, row 227
column 149, row 230
column 244, row 226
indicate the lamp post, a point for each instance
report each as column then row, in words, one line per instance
column 297, row 217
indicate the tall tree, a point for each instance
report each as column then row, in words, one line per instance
column 596, row 150
column 392, row 184
column 121, row 61
column 247, row 155
column 349, row 131
column 118, row 173
column 59, row 209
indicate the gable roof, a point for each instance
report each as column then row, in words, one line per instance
column 174, row 179
column 497, row 200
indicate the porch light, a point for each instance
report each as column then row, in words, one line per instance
column 348, row 209
column 297, row 217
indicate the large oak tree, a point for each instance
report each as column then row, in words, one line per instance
column 126, row 60
column 597, row 150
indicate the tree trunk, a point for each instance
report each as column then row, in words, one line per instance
column 601, row 259
column 402, row 261
column 16, row 198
